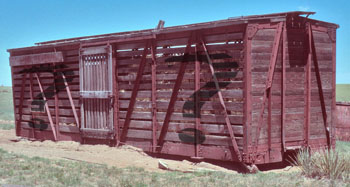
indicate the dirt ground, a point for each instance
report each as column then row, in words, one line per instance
column 125, row 156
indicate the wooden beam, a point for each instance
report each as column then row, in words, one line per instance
column 320, row 90
column 269, row 79
column 221, row 99
column 174, row 94
column 47, row 107
column 134, row 93
column 42, row 58
column 154, row 95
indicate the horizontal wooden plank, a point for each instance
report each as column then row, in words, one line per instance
column 41, row 58
column 176, row 127
column 233, row 94
column 186, row 105
column 205, row 118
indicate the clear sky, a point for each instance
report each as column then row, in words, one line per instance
column 23, row 23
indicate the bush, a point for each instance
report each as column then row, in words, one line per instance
column 323, row 164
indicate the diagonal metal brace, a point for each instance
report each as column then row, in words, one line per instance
column 222, row 103
column 319, row 84
column 269, row 79
column 47, row 107
column 174, row 94
column 134, row 93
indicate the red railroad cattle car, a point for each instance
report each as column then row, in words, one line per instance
column 244, row 89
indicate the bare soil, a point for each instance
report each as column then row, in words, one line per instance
column 121, row 157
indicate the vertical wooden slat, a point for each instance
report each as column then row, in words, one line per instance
column 154, row 96
column 47, row 108
column 237, row 153
column 174, row 94
column 134, row 92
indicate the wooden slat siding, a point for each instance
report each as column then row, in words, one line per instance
column 70, row 100
column 43, row 58
column 227, row 119
column 47, row 108
column 134, row 92
column 320, row 89
column 46, row 81
column 31, row 98
column 273, row 60
column 174, row 95
column 18, row 122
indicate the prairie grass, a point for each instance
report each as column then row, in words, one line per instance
column 333, row 164
column 22, row 170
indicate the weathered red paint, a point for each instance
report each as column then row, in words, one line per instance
column 223, row 71
column 342, row 126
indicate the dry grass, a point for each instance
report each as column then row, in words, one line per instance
column 332, row 165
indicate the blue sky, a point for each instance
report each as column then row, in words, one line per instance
column 23, row 23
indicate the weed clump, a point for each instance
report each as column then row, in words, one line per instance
column 327, row 164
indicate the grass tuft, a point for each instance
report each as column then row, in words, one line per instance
column 323, row 164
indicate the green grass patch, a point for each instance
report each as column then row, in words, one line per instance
column 36, row 171
column 6, row 103
column 343, row 92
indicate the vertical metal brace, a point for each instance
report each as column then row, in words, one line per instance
column 174, row 94
column 134, row 93
column 269, row 80
column 227, row 119
column 320, row 90
column 47, row 108
column 283, row 97
column 154, row 96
